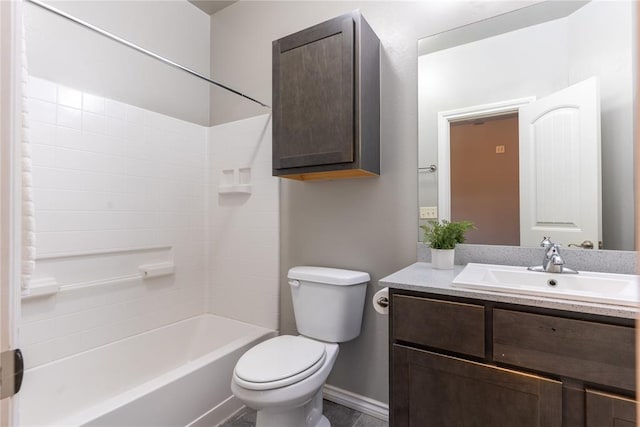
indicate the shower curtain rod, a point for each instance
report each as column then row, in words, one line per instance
column 140, row 49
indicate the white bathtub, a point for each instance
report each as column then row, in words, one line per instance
column 177, row 375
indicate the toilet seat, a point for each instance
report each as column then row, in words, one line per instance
column 279, row 362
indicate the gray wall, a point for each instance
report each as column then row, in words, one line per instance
column 609, row 54
column 66, row 53
column 363, row 224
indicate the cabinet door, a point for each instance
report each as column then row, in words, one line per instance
column 430, row 389
column 608, row 410
column 313, row 95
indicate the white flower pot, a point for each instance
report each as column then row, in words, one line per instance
column 442, row 259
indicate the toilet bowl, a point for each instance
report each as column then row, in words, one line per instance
column 282, row 378
column 287, row 401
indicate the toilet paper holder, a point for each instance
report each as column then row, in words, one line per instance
column 383, row 302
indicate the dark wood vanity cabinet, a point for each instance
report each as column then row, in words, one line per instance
column 608, row 410
column 431, row 389
column 326, row 101
column 460, row 362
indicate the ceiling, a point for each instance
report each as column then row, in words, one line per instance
column 211, row 6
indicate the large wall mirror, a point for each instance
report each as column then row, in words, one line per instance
column 526, row 125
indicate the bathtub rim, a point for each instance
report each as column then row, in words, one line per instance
column 119, row 400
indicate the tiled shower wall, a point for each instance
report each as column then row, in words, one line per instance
column 115, row 186
column 244, row 256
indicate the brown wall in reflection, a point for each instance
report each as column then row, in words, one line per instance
column 484, row 184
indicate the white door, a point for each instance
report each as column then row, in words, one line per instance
column 560, row 178
column 10, row 202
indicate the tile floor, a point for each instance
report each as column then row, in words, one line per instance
column 338, row 415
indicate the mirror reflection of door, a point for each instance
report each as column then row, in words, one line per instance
column 523, row 175
column 484, row 178
column 560, row 171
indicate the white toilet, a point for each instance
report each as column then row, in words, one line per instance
column 282, row 377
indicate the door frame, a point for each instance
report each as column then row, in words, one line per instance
column 445, row 119
column 10, row 185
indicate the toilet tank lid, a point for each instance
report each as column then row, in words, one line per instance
column 331, row 276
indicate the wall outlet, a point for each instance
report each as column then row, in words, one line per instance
column 428, row 212
column 500, row 149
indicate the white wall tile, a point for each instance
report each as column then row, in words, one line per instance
column 93, row 103
column 41, row 89
column 115, row 127
column 69, row 344
column 43, row 155
column 38, row 309
column 117, row 109
column 73, row 159
column 101, row 184
column 134, row 114
column 41, row 111
column 69, row 97
column 34, row 332
column 119, row 177
column 38, row 353
column 69, row 117
column 94, row 123
column 69, row 138
column 42, row 133
column 244, row 287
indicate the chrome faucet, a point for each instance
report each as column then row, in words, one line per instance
column 552, row 261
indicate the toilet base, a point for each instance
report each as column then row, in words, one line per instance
column 307, row 415
column 323, row 422
column 288, row 421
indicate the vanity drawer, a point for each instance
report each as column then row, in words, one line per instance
column 593, row 352
column 445, row 325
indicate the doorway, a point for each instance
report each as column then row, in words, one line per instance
column 484, row 160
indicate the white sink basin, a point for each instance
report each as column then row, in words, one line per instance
column 606, row 288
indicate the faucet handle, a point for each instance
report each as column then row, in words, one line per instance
column 557, row 260
column 552, row 249
column 546, row 242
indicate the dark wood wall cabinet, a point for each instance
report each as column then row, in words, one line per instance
column 465, row 362
column 326, row 101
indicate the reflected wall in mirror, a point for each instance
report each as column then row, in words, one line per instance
column 528, row 118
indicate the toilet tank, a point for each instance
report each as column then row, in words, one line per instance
column 328, row 302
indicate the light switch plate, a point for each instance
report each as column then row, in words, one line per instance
column 428, row 212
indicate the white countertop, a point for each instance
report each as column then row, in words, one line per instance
column 421, row 277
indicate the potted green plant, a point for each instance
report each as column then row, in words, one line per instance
column 442, row 238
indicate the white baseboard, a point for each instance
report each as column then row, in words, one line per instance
column 363, row 404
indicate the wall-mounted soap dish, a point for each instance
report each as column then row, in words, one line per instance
column 44, row 287
column 234, row 189
column 235, row 181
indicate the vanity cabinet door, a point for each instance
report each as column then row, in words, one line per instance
column 429, row 389
column 609, row 410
